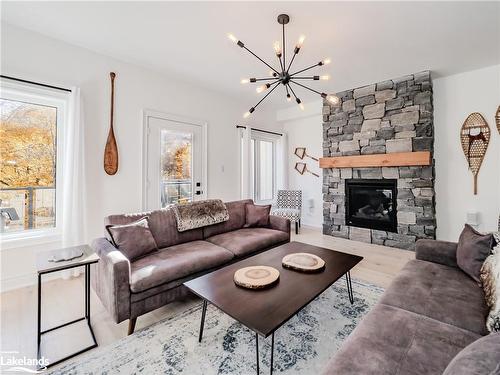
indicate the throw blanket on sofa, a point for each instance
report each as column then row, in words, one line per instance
column 200, row 214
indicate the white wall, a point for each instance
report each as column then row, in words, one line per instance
column 304, row 129
column 31, row 56
column 455, row 97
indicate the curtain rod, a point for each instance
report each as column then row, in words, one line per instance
column 259, row 130
column 35, row 83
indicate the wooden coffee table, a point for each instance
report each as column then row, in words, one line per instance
column 264, row 311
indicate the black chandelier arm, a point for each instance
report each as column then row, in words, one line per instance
column 253, row 80
column 293, row 92
column 269, row 66
column 309, row 67
column 287, row 93
column 265, row 96
column 281, row 63
column 313, row 78
column 291, row 61
column 308, row 88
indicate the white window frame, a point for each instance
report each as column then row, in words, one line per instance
column 255, row 177
column 47, row 97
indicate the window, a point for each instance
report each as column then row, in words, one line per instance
column 31, row 123
column 262, row 166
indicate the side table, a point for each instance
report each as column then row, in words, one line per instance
column 44, row 266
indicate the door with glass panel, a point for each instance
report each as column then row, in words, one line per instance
column 174, row 163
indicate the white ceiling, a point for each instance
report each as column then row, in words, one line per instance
column 367, row 41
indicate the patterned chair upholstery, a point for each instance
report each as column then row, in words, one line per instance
column 289, row 205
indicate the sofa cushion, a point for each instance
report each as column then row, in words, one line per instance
column 439, row 292
column 134, row 239
column 472, row 250
column 480, row 357
column 390, row 340
column 236, row 211
column 175, row 262
column 245, row 241
column 163, row 226
column 257, row 216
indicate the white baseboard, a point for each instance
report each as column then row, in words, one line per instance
column 24, row 281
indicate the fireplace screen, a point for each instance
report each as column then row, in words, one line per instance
column 371, row 204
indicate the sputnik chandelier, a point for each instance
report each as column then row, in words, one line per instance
column 282, row 75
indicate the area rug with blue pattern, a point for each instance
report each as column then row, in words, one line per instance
column 303, row 345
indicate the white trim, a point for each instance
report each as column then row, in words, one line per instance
column 26, row 280
column 29, row 93
column 149, row 113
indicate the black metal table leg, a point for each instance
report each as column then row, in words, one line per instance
column 202, row 324
column 86, row 317
column 349, row 287
column 272, row 352
column 257, row 351
column 39, row 329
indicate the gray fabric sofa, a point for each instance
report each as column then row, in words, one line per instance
column 429, row 313
column 129, row 289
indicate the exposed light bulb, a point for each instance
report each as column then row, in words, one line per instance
column 301, row 105
column 245, row 80
column 288, row 97
column 246, row 114
column 333, row 99
column 325, row 77
column 277, row 48
column 262, row 88
column 326, row 61
column 301, row 41
column 272, row 73
column 232, row 38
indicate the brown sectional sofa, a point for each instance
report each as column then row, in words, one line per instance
column 429, row 313
column 129, row 289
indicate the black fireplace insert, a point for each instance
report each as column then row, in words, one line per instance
column 371, row 204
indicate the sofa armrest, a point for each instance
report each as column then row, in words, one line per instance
column 441, row 252
column 111, row 282
column 279, row 223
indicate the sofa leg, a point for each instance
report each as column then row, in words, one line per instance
column 131, row 325
column 296, row 227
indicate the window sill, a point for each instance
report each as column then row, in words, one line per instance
column 31, row 238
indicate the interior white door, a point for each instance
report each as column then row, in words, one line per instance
column 174, row 163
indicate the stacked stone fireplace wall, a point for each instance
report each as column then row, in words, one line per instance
column 386, row 117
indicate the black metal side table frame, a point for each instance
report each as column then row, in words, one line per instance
column 85, row 317
column 204, row 312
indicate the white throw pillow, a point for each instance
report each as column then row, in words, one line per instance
column 490, row 280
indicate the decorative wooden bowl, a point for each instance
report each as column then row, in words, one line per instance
column 256, row 277
column 303, row 262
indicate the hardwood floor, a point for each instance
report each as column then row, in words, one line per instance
column 63, row 301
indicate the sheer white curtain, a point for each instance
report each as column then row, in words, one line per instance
column 73, row 212
column 246, row 177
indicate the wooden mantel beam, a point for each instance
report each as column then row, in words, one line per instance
column 398, row 159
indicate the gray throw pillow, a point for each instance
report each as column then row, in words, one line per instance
column 472, row 250
column 482, row 357
column 134, row 240
column 257, row 216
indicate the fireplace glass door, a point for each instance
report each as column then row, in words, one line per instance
column 371, row 204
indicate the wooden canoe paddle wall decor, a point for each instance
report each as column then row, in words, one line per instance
column 475, row 137
column 497, row 119
column 111, row 150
